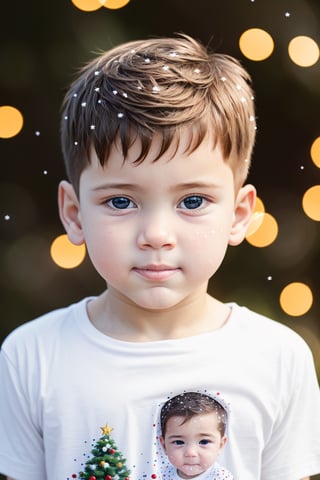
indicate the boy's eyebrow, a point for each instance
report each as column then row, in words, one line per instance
column 197, row 184
column 180, row 186
column 198, row 434
column 119, row 185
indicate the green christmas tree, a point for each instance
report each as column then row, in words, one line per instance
column 107, row 462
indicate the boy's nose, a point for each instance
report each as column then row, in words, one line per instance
column 190, row 451
column 156, row 232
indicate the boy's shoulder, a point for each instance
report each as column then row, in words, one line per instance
column 252, row 319
column 263, row 330
column 45, row 327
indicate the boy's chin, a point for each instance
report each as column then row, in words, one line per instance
column 159, row 301
column 190, row 472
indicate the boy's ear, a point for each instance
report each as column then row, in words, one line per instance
column 69, row 212
column 162, row 443
column 244, row 205
column 223, row 441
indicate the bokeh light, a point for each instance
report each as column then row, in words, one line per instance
column 311, row 202
column 315, row 152
column 115, row 4
column 11, row 121
column 65, row 254
column 296, row 299
column 259, row 206
column 303, row 51
column 88, row 5
column 256, row 44
column 257, row 217
column 265, row 233
column 255, row 223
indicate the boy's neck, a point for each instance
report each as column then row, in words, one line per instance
column 128, row 322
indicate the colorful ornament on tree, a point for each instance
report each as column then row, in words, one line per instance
column 106, row 461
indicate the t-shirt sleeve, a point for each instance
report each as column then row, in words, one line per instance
column 293, row 449
column 21, row 453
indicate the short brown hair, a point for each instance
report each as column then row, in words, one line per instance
column 190, row 404
column 158, row 86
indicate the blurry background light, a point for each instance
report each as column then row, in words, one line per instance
column 257, row 217
column 11, row 121
column 266, row 233
column 298, row 240
column 311, row 202
column 256, row 44
column 255, row 223
column 65, row 254
column 259, row 206
column 88, row 5
column 303, row 51
column 315, row 152
column 115, row 4
column 296, row 299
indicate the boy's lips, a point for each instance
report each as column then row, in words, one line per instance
column 156, row 272
column 191, row 466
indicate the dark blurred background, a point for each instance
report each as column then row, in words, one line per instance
column 43, row 44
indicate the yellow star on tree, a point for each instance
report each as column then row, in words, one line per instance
column 106, row 430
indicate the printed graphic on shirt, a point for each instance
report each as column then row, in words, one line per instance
column 193, row 432
column 106, row 462
column 188, row 437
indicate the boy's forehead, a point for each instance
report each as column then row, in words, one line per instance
column 182, row 144
column 195, row 420
column 173, row 172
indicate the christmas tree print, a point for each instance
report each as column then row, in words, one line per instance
column 107, row 462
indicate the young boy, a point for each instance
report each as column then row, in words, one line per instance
column 193, row 433
column 157, row 138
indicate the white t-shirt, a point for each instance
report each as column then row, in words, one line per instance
column 61, row 379
column 216, row 472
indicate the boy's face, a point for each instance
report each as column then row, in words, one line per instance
column 193, row 447
column 157, row 231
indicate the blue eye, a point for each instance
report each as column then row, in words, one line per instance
column 204, row 442
column 178, row 442
column 192, row 202
column 121, row 203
